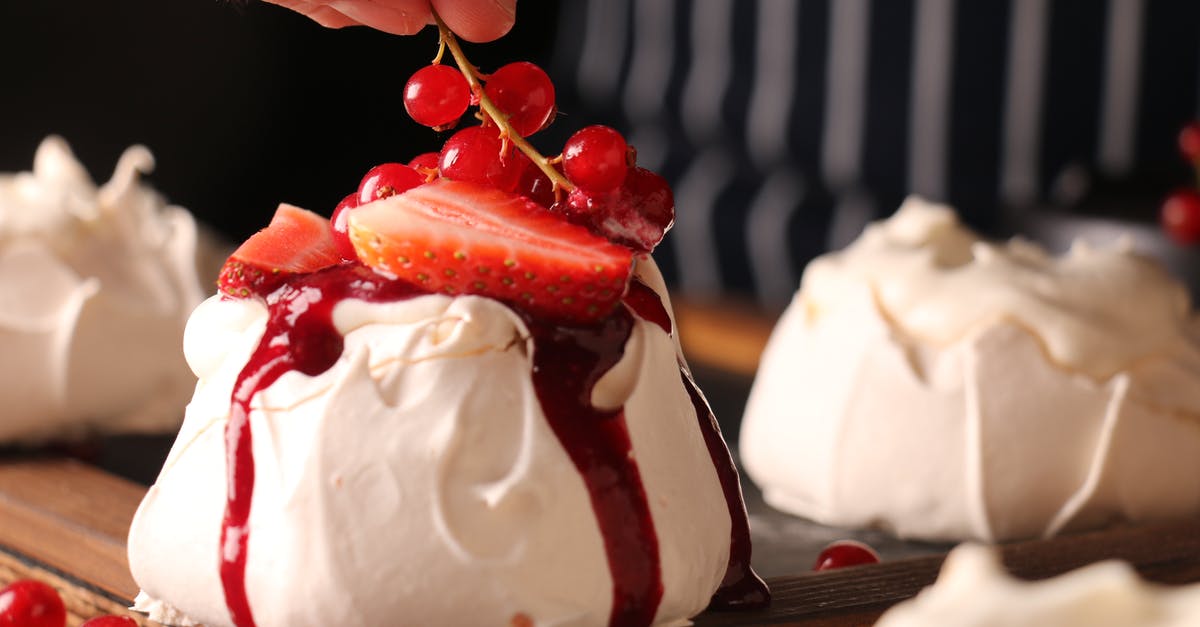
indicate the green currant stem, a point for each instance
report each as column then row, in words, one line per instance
column 497, row 116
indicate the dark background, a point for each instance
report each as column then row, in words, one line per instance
column 244, row 105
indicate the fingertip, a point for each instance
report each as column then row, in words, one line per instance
column 398, row 17
column 478, row 20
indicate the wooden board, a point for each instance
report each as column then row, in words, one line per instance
column 65, row 522
column 723, row 335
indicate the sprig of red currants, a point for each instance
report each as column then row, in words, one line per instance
column 595, row 182
column 1180, row 213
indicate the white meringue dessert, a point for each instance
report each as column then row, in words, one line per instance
column 973, row 590
column 942, row 387
column 419, row 481
column 96, row 284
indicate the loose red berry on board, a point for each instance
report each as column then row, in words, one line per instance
column 387, row 179
column 845, row 553
column 28, row 603
column 595, row 158
column 337, row 224
column 464, row 238
column 478, row 154
column 523, row 92
column 1189, row 142
column 110, row 621
column 436, row 96
column 1180, row 216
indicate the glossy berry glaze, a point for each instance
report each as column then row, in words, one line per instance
column 741, row 587
column 567, row 363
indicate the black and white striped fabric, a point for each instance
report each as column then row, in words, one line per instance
column 785, row 125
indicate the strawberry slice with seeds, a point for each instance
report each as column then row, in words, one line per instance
column 458, row 237
column 297, row 241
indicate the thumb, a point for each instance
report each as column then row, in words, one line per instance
column 477, row 20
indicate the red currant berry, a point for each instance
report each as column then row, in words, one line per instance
column 1180, row 216
column 637, row 215
column 594, row 158
column 524, row 92
column 1189, row 142
column 425, row 162
column 536, row 186
column 110, row 621
column 387, row 179
column 436, row 95
column 337, row 224
column 478, row 154
column 845, row 553
column 29, row 603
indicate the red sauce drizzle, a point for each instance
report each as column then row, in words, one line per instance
column 567, row 363
column 299, row 336
column 646, row 303
column 741, row 587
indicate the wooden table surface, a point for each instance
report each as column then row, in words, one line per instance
column 65, row 522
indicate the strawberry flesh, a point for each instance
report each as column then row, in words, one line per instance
column 296, row 241
column 457, row 237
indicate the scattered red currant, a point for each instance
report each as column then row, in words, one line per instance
column 437, row 95
column 1189, row 142
column 637, row 214
column 523, row 92
column 845, row 553
column 387, row 179
column 478, row 154
column 110, row 621
column 337, row 224
column 1180, row 216
column 29, row 603
column 595, row 158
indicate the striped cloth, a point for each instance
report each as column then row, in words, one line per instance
column 785, row 125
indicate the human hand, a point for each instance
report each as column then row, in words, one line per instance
column 472, row 20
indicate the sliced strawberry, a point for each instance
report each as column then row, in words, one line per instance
column 462, row 238
column 295, row 242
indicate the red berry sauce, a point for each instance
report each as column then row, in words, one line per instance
column 299, row 336
column 742, row 588
column 567, row 363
